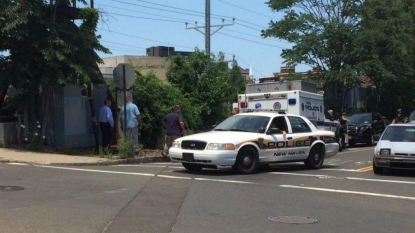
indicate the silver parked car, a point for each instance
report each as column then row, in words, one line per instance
column 395, row 148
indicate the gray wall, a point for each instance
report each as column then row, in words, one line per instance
column 70, row 122
column 8, row 132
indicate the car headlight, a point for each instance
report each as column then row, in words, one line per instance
column 177, row 144
column 385, row 152
column 220, row 146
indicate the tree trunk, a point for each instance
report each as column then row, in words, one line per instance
column 45, row 111
column 26, row 124
column 3, row 93
column 19, row 128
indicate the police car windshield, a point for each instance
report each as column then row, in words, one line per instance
column 399, row 134
column 243, row 123
column 360, row 119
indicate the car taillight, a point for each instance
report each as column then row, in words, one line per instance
column 243, row 105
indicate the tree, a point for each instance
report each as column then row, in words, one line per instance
column 211, row 88
column 386, row 52
column 47, row 49
column 323, row 34
column 156, row 99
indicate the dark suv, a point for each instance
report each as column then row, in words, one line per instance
column 363, row 127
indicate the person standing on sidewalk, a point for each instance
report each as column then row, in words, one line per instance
column 106, row 124
column 133, row 121
column 173, row 122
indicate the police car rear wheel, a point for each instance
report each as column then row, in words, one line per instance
column 315, row 158
column 246, row 161
column 192, row 167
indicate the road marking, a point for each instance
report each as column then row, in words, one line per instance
column 101, row 171
column 21, row 164
column 350, row 192
column 365, row 169
column 344, row 170
column 348, row 152
column 145, row 174
column 226, row 181
column 137, row 165
column 175, row 177
column 143, row 165
column 346, row 178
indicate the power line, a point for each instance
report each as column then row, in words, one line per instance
column 177, row 8
column 111, row 46
column 251, row 40
column 198, row 12
column 137, row 17
column 160, row 9
column 247, row 34
column 125, row 50
column 249, row 65
column 184, row 20
column 147, row 39
column 122, row 44
column 245, row 9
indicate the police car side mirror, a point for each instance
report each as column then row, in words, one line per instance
column 376, row 137
column 274, row 131
column 261, row 130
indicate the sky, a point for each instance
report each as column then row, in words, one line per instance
column 128, row 27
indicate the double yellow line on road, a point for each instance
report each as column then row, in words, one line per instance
column 365, row 169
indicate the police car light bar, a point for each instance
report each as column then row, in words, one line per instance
column 280, row 111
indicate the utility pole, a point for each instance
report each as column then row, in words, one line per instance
column 207, row 27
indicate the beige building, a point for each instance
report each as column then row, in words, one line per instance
column 156, row 60
column 144, row 64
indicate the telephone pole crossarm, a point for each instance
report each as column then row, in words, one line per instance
column 220, row 26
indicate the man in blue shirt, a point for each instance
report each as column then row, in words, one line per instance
column 106, row 123
column 133, row 121
column 174, row 128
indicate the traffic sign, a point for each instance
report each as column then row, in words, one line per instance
column 120, row 72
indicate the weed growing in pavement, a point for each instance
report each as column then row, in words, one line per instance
column 69, row 151
column 125, row 148
column 104, row 153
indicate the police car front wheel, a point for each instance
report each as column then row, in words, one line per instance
column 315, row 158
column 246, row 160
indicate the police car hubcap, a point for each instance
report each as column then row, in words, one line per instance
column 316, row 157
column 247, row 161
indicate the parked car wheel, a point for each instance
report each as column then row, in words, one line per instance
column 371, row 141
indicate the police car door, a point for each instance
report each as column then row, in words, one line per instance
column 300, row 138
column 277, row 149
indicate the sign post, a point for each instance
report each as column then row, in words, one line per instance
column 124, row 76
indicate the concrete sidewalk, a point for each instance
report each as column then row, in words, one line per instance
column 21, row 156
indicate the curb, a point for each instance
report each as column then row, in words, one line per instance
column 154, row 159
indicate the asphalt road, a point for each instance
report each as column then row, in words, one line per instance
column 344, row 196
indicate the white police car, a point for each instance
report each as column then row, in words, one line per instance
column 247, row 140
